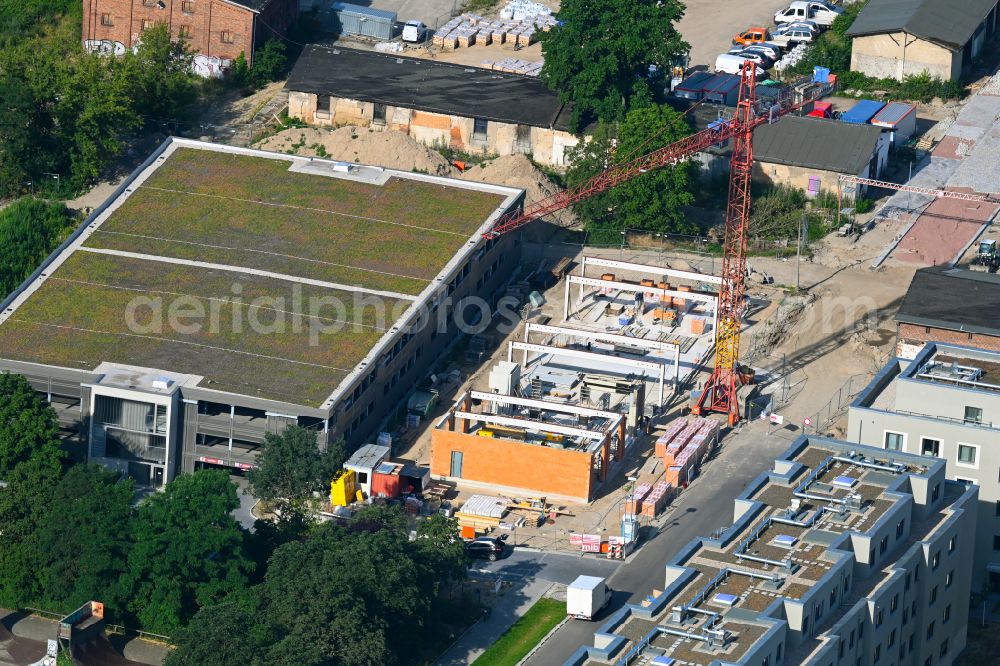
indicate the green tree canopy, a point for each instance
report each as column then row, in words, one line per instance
column 291, row 467
column 29, row 230
column 652, row 201
column 29, row 429
column 83, row 542
column 187, row 552
column 599, row 57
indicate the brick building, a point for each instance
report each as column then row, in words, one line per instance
column 216, row 30
column 952, row 305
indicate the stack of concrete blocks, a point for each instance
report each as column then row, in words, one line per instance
column 514, row 66
column 633, row 503
column 518, row 25
column 657, row 499
column 674, row 429
column 680, row 441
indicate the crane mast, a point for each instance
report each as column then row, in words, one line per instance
column 720, row 391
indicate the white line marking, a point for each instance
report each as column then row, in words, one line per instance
column 248, row 271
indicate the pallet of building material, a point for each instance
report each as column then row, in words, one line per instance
column 657, row 499
column 449, row 41
column 633, row 503
column 526, row 37
column 490, row 506
column 668, row 435
column 484, row 37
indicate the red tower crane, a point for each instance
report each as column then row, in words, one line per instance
column 719, row 393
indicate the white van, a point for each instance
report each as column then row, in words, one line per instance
column 809, row 10
column 728, row 63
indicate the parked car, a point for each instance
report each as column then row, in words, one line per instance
column 729, row 63
column 759, row 58
column 794, row 36
column 414, row 31
column 752, row 36
column 485, row 548
column 771, row 52
column 812, row 10
column 808, row 25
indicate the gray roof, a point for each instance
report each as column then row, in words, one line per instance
column 816, row 143
column 426, row 85
column 950, row 23
column 954, row 299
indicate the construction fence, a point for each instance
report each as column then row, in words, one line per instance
column 830, row 413
column 640, row 239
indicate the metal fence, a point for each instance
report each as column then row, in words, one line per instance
column 838, row 403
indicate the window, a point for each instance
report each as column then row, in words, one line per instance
column 106, row 20
column 930, row 447
column 907, row 586
column 187, row 6
column 883, row 545
column 997, row 511
column 973, row 414
column 850, row 642
column 323, row 103
column 184, row 31
column 935, row 561
column 778, row 657
column 996, row 542
column 146, row 24
column 952, row 542
column 479, row 129
column 900, row 526
column 894, row 604
column 933, row 596
column 946, row 615
column 226, row 37
column 378, row 114
column 944, row 648
column 930, row 630
column 878, row 618
column 894, row 441
column 936, row 492
column 949, row 578
column 892, row 638
column 878, row 653
column 906, row 615
column 967, row 454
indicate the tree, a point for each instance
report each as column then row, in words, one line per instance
column 29, row 429
column 187, row 551
column 652, row 201
column 222, row 634
column 268, row 63
column 291, row 468
column 602, row 51
column 83, row 542
column 24, row 507
column 159, row 74
column 441, row 549
column 239, row 71
column 29, row 230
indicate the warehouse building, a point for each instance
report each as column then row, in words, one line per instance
column 945, row 403
column 842, row 554
column 470, row 109
column 952, row 305
column 897, row 38
column 217, row 31
column 221, row 294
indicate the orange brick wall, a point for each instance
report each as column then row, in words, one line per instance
column 503, row 462
column 917, row 335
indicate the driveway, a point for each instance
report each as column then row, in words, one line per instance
column 431, row 12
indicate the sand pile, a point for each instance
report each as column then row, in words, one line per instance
column 357, row 144
column 518, row 171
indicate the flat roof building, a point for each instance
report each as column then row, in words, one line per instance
column 944, row 403
column 264, row 289
column 842, row 554
column 475, row 110
column 951, row 305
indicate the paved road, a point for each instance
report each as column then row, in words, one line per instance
column 551, row 567
column 704, row 506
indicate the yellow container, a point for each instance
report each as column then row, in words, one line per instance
column 342, row 488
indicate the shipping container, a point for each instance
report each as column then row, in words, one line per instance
column 386, row 481
column 899, row 119
column 351, row 19
column 862, row 112
column 342, row 488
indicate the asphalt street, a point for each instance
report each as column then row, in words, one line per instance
column 705, row 506
column 551, row 567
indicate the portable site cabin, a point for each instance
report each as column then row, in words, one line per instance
column 723, row 89
column 898, row 120
column 862, row 112
column 364, row 462
column 348, row 19
column 693, row 87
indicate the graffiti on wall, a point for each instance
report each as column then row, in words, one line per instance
column 104, row 47
column 210, row 66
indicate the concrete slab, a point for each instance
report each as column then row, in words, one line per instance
column 943, row 230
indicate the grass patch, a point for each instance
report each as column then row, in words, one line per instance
column 982, row 646
column 524, row 634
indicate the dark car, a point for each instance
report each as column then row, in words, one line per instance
column 485, row 548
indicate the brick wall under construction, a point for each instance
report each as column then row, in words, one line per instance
column 538, row 470
column 910, row 339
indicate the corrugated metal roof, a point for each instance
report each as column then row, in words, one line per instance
column 427, row 85
column 380, row 14
column 862, row 112
column 893, row 112
column 816, row 143
column 367, row 457
column 947, row 22
column 696, row 82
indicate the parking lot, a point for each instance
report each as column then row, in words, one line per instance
column 709, row 25
column 431, row 12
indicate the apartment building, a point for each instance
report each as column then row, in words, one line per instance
column 841, row 555
column 944, row 403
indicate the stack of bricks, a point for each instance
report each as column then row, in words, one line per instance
column 514, row 66
column 471, row 29
column 657, row 499
column 633, row 503
column 674, row 429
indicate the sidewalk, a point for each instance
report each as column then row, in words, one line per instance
column 512, row 606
